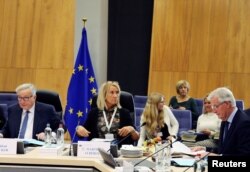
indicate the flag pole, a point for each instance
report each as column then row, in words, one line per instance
column 84, row 21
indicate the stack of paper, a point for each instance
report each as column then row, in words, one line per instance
column 180, row 148
column 131, row 151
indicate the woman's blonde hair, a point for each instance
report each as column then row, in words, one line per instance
column 182, row 83
column 151, row 115
column 203, row 107
column 101, row 103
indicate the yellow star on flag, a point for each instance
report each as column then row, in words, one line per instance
column 71, row 110
column 93, row 91
column 79, row 114
column 92, row 79
column 80, row 67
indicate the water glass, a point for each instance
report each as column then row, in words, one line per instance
column 163, row 157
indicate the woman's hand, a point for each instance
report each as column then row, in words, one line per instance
column 124, row 131
column 82, row 132
column 198, row 148
column 206, row 131
column 182, row 108
column 171, row 138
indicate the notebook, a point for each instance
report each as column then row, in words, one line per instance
column 109, row 160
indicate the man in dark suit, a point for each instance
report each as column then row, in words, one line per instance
column 38, row 116
column 235, row 127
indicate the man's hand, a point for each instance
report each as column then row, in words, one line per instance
column 40, row 136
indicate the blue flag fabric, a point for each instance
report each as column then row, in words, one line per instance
column 82, row 88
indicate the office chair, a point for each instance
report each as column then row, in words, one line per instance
column 3, row 114
column 138, row 113
column 184, row 118
column 199, row 103
column 50, row 97
column 8, row 98
column 240, row 104
column 140, row 101
column 126, row 101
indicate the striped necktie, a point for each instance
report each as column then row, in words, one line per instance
column 24, row 125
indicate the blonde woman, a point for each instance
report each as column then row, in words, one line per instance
column 109, row 119
column 183, row 101
column 157, row 120
column 208, row 124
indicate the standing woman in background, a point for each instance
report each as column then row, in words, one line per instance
column 157, row 120
column 183, row 101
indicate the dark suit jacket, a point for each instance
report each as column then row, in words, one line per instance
column 237, row 141
column 43, row 114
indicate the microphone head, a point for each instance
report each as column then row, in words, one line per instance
column 114, row 150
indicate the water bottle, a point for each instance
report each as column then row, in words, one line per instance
column 48, row 135
column 60, row 135
column 163, row 157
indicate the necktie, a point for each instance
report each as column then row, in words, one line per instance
column 225, row 130
column 24, row 125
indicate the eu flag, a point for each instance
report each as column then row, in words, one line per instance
column 82, row 88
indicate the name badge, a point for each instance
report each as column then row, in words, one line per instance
column 109, row 136
column 159, row 134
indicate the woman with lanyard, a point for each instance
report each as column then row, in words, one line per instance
column 109, row 120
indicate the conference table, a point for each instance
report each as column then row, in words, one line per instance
column 32, row 161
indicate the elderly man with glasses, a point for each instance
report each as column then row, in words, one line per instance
column 28, row 118
column 235, row 127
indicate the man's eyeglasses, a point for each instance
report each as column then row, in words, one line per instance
column 23, row 98
column 216, row 106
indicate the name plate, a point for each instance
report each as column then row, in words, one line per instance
column 8, row 146
column 51, row 150
column 90, row 149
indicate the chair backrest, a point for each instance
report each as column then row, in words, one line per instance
column 3, row 114
column 140, row 101
column 240, row 104
column 8, row 98
column 184, row 117
column 50, row 97
column 199, row 103
column 138, row 113
column 126, row 101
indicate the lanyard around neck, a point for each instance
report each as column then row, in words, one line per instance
column 108, row 125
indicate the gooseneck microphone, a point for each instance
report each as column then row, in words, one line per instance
column 114, row 147
column 72, row 140
column 169, row 144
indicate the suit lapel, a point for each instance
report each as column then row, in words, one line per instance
column 36, row 120
column 233, row 124
column 19, row 113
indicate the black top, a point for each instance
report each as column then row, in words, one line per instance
column 92, row 124
column 190, row 104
